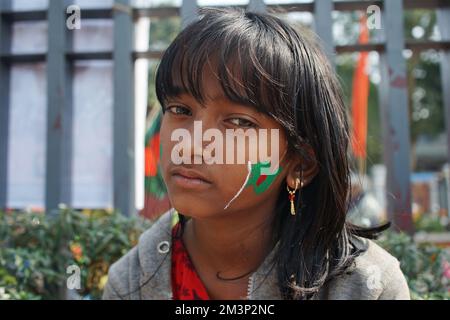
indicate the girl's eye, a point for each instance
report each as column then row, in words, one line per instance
column 241, row 122
column 178, row 110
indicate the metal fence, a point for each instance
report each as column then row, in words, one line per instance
column 60, row 57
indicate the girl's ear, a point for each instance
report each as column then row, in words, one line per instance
column 298, row 163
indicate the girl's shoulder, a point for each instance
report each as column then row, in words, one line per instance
column 145, row 267
column 374, row 274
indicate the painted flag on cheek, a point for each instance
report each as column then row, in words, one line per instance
column 260, row 181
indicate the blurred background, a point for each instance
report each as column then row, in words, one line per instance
column 79, row 131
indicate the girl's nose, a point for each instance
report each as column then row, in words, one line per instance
column 201, row 138
column 197, row 143
column 200, row 141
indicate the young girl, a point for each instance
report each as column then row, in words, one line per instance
column 237, row 231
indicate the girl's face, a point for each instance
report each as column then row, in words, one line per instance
column 202, row 189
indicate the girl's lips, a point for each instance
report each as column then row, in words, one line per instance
column 189, row 178
column 187, row 182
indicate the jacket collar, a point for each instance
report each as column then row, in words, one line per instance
column 154, row 252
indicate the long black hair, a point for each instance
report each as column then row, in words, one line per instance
column 281, row 70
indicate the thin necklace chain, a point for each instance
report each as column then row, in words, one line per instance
column 234, row 278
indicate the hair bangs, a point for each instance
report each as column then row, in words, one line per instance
column 236, row 51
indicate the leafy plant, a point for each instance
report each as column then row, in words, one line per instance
column 429, row 223
column 426, row 266
column 37, row 249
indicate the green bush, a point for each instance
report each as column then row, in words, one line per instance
column 37, row 249
column 428, row 223
column 426, row 266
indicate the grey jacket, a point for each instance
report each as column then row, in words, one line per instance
column 144, row 273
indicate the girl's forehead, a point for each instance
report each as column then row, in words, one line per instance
column 212, row 88
column 207, row 87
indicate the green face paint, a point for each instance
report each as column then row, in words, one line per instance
column 261, row 182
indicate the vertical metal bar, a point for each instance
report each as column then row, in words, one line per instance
column 5, row 47
column 395, row 118
column 323, row 25
column 188, row 12
column 59, row 112
column 68, row 137
column 257, row 6
column 124, row 110
column 443, row 19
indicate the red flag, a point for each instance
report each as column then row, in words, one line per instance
column 360, row 96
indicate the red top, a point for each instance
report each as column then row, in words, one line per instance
column 186, row 284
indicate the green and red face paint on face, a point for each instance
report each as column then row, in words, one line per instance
column 260, row 181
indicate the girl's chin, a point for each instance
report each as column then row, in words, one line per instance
column 194, row 213
column 195, row 209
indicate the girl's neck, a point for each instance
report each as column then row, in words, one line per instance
column 232, row 245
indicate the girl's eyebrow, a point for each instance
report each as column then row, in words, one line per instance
column 181, row 90
column 182, row 93
column 177, row 96
column 183, row 97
